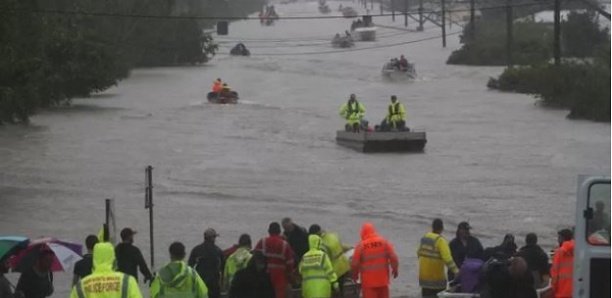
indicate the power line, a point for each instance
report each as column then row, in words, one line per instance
column 233, row 18
column 352, row 49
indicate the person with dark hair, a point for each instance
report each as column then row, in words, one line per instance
column 207, row 259
column 177, row 279
column 562, row 270
column 504, row 251
column 6, row 290
column 279, row 257
column 254, row 280
column 434, row 254
column 296, row 236
column 536, row 258
column 237, row 261
column 507, row 278
column 129, row 257
column 465, row 244
column 37, row 281
column 83, row 267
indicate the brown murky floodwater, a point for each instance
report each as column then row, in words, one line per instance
column 495, row 159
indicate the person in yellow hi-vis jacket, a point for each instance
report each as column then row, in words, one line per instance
column 318, row 276
column 104, row 282
column 396, row 117
column 434, row 254
column 353, row 111
column 177, row 279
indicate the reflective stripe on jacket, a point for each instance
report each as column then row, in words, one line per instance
column 372, row 258
column 104, row 282
column 279, row 254
column 177, row 279
column 434, row 254
column 562, row 270
column 397, row 112
column 318, row 275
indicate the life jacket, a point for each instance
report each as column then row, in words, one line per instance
column 394, row 109
column 352, row 109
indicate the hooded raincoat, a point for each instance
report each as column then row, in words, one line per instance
column 335, row 250
column 178, row 280
column 372, row 258
column 104, row 282
column 318, row 276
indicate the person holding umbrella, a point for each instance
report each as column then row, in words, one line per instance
column 37, row 280
column 9, row 245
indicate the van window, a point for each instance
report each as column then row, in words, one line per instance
column 598, row 223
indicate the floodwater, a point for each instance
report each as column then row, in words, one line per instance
column 495, row 159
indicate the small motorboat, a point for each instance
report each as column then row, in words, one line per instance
column 342, row 41
column 240, row 50
column 220, row 98
column 391, row 71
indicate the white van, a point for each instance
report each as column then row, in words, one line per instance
column 592, row 235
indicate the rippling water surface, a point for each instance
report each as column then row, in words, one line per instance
column 495, row 159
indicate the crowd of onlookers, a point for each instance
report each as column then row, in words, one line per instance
column 274, row 265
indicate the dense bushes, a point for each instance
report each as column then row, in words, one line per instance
column 54, row 50
column 582, row 87
column 532, row 44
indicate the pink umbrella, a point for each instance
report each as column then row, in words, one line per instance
column 65, row 254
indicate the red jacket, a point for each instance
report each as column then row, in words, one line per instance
column 278, row 253
column 372, row 258
column 561, row 272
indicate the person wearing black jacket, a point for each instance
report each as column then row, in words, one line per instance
column 297, row 237
column 536, row 258
column 129, row 258
column 465, row 244
column 37, row 281
column 252, row 281
column 84, row 266
column 208, row 260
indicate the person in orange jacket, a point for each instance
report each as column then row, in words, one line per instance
column 372, row 258
column 217, row 86
column 561, row 272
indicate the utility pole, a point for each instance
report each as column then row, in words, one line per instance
column 557, row 40
column 393, row 10
column 509, row 33
column 149, row 205
column 472, row 19
column 405, row 13
column 444, row 23
column 420, row 15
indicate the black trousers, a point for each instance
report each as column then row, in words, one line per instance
column 430, row 293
